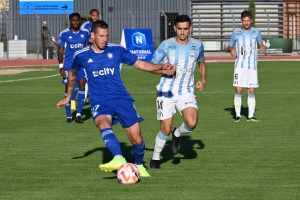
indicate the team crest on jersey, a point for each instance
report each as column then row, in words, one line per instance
column 81, row 35
column 172, row 50
column 192, row 51
column 253, row 35
column 110, row 56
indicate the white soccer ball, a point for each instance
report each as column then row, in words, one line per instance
column 128, row 173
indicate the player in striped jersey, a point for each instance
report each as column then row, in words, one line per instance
column 243, row 45
column 177, row 91
column 70, row 40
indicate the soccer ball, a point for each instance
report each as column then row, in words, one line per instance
column 128, row 173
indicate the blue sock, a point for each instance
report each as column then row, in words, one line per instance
column 111, row 141
column 139, row 152
column 68, row 108
column 75, row 92
column 80, row 100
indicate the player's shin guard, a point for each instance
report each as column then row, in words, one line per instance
column 111, row 141
column 138, row 151
column 251, row 105
column 237, row 104
column 183, row 129
column 160, row 142
column 68, row 108
column 80, row 101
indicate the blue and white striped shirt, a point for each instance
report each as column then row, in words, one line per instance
column 185, row 59
column 245, row 43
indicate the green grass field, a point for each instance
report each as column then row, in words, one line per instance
column 43, row 157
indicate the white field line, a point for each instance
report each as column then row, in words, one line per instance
column 27, row 79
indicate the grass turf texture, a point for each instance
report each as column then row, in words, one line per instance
column 43, row 157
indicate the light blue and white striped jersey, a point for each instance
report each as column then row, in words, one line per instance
column 185, row 59
column 245, row 43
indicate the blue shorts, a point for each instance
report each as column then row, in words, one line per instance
column 122, row 110
column 80, row 75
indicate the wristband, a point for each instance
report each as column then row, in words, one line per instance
column 60, row 65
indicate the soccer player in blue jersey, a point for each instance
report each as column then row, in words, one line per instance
column 243, row 45
column 70, row 40
column 108, row 96
column 94, row 16
column 177, row 91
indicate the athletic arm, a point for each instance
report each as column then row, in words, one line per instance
column 231, row 46
column 164, row 71
column 71, row 83
column 262, row 47
column 232, row 50
column 60, row 55
column 200, row 85
column 150, row 67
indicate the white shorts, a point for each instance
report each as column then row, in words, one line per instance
column 166, row 107
column 245, row 78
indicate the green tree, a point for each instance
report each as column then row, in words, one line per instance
column 253, row 11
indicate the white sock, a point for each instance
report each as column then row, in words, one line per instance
column 86, row 91
column 237, row 104
column 251, row 105
column 183, row 129
column 78, row 114
column 160, row 142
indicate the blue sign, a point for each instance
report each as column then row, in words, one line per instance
column 30, row 7
column 139, row 42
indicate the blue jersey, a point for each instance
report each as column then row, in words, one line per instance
column 87, row 25
column 103, row 71
column 73, row 41
column 184, row 58
column 245, row 43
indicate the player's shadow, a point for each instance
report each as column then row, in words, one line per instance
column 244, row 111
column 126, row 150
column 188, row 148
column 85, row 113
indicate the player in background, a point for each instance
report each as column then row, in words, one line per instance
column 83, row 20
column 177, row 91
column 76, row 88
column 108, row 96
column 94, row 16
column 243, row 46
column 70, row 40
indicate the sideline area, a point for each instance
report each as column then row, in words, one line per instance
column 209, row 57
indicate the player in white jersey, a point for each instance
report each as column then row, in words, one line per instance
column 177, row 91
column 243, row 45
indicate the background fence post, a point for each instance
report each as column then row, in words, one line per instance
column 132, row 19
column 38, row 34
column 166, row 24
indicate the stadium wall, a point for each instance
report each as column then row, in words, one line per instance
column 118, row 14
